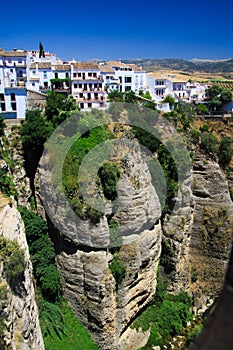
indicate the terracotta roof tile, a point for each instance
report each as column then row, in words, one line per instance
column 63, row 67
column 13, row 53
column 106, row 68
column 86, row 65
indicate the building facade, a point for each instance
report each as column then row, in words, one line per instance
column 88, row 82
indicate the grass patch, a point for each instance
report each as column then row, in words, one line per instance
column 75, row 336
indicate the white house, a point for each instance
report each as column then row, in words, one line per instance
column 61, row 78
column 13, row 76
column 130, row 77
column 40, row 74
column 87, row 85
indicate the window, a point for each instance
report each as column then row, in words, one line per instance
column 128, row 88
column 94, row 75
column 33, row 84
column 45, row 84
column 12, row 96
column 56, row 75
column 79, row 75
column 89, row 105
column 80, row 86
column 13, row 106
column 81, row 105
column 67, row 75
column 34, row 72
column 90, row 74
column 1, row 97
column 45, row 74
column 75, row 86
column 81, row 95
column 74, row 75
column 3, row 107
column 128, row 80
column 11, row 70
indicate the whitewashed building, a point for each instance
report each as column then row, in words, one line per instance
column 40, row 74
column 87, row 85
column 61, row 81
column 129, row 77
column 13, row 79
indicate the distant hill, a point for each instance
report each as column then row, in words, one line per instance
column 207, row 66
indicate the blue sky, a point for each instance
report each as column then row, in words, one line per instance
column 120, row 29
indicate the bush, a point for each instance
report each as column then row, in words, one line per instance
column 118, row 270
column 225, row 151
column 109, row 175
column 12, row 257
column 42, row 255
column 166, row 315
column 209, row 143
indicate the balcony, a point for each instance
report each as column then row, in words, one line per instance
column 15, row 83
column 20, row 64
column 98, row 79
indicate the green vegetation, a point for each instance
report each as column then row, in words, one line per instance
column 6, row 183
column 118, row 270
column 60, row 328
column 73, row 335
column 225, row 151
column 216, row 96
column 34, row 132
column 2, row 126
column 42, row 255
column 109, row 174
column 12, row 258
column 166, row 315
column 71, row 168
column 209, row 143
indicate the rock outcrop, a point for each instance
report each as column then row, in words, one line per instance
column 212, row 230
column 22, row 331
column 197, row 243
column 104, row 305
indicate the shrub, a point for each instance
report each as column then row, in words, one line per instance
column 12, row 257
column 109, row 175
column 225, row 151
column 118, row 270
column 209, row 142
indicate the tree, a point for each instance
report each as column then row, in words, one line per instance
column 116, row 96
column 41, row 49
column 209, row 142
column 225, row 151
column 201, row 108
column 169, row 99
column 34, row 132
column 217, row 96
column 54, row 104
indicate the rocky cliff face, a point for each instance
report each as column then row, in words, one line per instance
column 104, row 306
column 212, row 230
column 20, row 310
column 197, row 244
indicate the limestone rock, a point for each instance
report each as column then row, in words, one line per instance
column 20, row 311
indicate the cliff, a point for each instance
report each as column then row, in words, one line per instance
column 105, row 305
column 22, row 329
column 196, row 246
